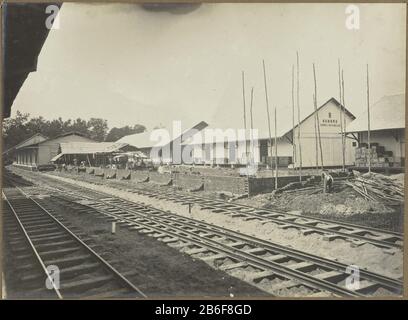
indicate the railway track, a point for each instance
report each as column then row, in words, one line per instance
column 329, row 229
column 41, row 245
column 270, row 265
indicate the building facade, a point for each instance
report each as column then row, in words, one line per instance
column 261, row 149
column 38, row 150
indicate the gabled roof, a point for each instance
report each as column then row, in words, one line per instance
column 386, row 113
column 71, row 133
column 334, row 100
column 283, row 127
column 35, row 139
column 90, row 147
column 144, row 139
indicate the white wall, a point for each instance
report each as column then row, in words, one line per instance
column 330, row 132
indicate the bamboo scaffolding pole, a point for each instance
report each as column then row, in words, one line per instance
column 252, row 124
column 293, row 118
column 276, row 150
column 245, row 127
column 344, row 121
column 317, row 117
column 368, row 123
column 267, row 110
column 341, row 113
column 298, row 111
column 315, row 131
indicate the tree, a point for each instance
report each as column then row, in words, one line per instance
column 97, row 128
column 22, row 127
column 15, row 130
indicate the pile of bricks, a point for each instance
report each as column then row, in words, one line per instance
column 380, row 158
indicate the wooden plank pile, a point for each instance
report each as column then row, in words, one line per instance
column 378, row 188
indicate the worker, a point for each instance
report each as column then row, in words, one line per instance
column 327, row 182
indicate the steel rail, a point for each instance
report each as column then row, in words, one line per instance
column 176, row 196
column 307, row 226
column 389, row 283
column 234, row 253
column 36, row 254
column 83, row 244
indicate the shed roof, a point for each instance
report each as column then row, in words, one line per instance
column 386, row 113
column 90, row 147
column 35, row 139
column 146, row 139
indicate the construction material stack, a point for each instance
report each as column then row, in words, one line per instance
column 380, row 158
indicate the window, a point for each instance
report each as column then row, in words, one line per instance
column 329, row 115
column 354, row 144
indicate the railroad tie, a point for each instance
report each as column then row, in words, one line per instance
column 257, row 277
column 214, row 257
column 226, row 267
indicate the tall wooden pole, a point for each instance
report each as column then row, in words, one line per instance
column 252, row 122
column 368, row 123
column 267, row 109
column 317, row 118
column 344, row 120
column 341, row 114
column 245, row 127
column 276, row 151
column 315, row 132
column 298, row 111
column 293, row 118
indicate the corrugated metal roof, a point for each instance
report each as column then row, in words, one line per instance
column 387, row 113
column 37, row 138
column 90, row 147
column 147, row 139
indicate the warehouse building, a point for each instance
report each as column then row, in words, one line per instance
column 207, row 148
column 39, row 150
column 93, row 154
column 387, row 134
column 160, row 144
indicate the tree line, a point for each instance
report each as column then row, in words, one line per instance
column 21, row 127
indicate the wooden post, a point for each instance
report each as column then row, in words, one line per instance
column 298, row 110
column 245, row 128
column 267, row 109
column 293, row 118
column 344, row 121
column 341, row 114
column 368, row 123
column 315, row 131
column 252, row 123
column 317, row 118
column 276, row 151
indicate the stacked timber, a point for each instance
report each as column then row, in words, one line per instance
column 378, row 188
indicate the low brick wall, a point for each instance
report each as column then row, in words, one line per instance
column 123, row 174
column 265, row 185
column 160, row 178
column 187, row 181
column 235, row 185
column 139, row 176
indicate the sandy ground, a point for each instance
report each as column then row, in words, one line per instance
column 366, row 256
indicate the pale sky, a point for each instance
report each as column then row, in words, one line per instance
column 130, row 65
